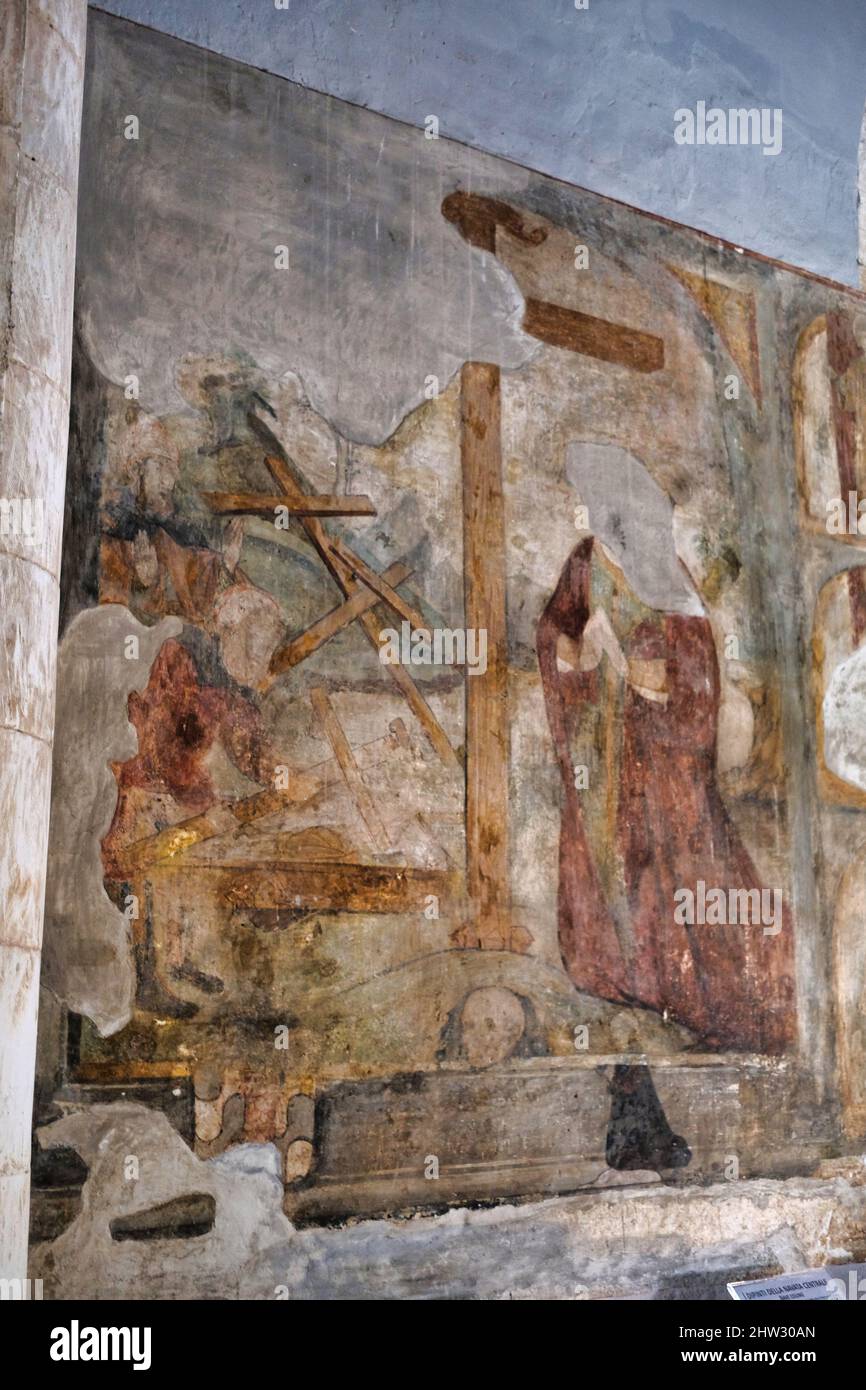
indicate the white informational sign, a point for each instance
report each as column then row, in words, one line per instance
column 838, row 1283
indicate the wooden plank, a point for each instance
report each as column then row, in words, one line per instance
column 299, row 648
column 370, row 888
column 364, row 803
column 129, row 1072
column 282, row 475
column 594, row 337
column 259, row 504
column 487, row 729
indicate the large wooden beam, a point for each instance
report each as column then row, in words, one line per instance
column 593, row 337
column 487, row 728
column 260, row 504
column 372, row 888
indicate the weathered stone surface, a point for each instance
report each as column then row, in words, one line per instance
column 246, row 1184
column 70, row 20
column 645, row 1242
column 11, row 59
column 365, row 370
column 43, row 283
column 18, row 1004
column 14, row 1205
column 25, row 784
column 852, row 1169
column 34, row 430
column 8, row 180
column 29, row 599
column 19, row 994
column 50, row 119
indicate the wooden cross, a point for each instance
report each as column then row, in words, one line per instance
column 362, row 586
column 490, row 923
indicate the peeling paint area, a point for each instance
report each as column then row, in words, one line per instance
column 105, row 656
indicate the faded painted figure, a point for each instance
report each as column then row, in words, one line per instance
column 632, row 689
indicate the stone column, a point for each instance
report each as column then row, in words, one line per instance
column 41, row 86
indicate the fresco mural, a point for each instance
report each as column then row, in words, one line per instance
column 443, row 546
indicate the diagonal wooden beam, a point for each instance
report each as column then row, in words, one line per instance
column 593, row 337
column 376, row 582
column 315, row 531
column 224, row 818
column 299, row 648
column 344, row 576
column 364, row 803
column 413, row 697
column 258, row 504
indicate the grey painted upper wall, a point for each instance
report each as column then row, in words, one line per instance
column 589, row 95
